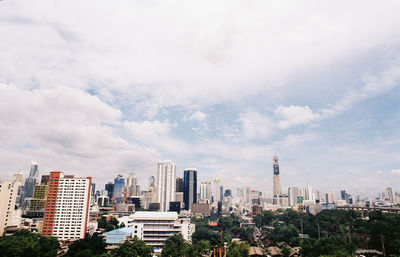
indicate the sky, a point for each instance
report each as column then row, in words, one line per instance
column 96, row 88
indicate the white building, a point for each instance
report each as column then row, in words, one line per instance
column 216, row 190
column 205, row 190
column 166, row 179
column 67, row 206
column 8, row 197
column 155, row 227
column 293, row 193
column 330, row 197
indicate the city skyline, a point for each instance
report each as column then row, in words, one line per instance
column 225, row 90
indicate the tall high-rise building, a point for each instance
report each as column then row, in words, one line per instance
column 67, row 206
column 330, row 197
column 8, row 198
column 216, row 190
column 277, row 181
column 119, row 185
column 205, row 190
column 190, row 192
column 389, row 195
column 180, row 185
column 309, row 193
column 132, row 187
column 166, row 179
column 221, row 193
column 293, row 193
column 343, row 194
column 109, row 187
column 31, row 181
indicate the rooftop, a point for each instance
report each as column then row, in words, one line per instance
column 141, row 215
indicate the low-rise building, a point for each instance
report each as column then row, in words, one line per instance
column 155, row 227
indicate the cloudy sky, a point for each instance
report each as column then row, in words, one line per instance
column 100, row 87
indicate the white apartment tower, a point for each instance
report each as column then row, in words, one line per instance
column 8, row 197
column 216, row 190
column 67, row 206
column 166, row 179
column 205, row 190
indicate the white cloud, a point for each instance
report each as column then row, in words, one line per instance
column 158, row 54
column 198, row 116
column 294, row 115
column 255, row 125
column 396, row 172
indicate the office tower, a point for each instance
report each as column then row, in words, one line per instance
column 247, row 194
column 166, row 183
column 309, row 193
column 277, row 181
column 8, row 198
column 293, row 193
column 67, row 206
column 103, row 200
column 389, row 194
column 343, row 195
column 132, row 187
column 31, row 181
column 317, row 196
column 180, row 185
column 109, row 187
column 228, row 193
column 38, row 201
column 216, row 190
column 240, row 193
column 221, row 193
column 190, row 192
column 330, row 197
column 205, row 190
column 119, row 185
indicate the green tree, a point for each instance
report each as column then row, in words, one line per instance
column 238, row 249
column 108, row 224
column 27, row 244
column 175, row 246
column 133, row 248
column 89, row 246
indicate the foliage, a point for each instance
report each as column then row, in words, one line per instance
column 132, row 248
column 238, row 249
column 27, row 244
column 89, row 246
column 108, row 224
column 175, row 246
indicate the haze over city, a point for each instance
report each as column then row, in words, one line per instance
column 97, row 88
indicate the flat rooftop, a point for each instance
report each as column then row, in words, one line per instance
column 155, row 215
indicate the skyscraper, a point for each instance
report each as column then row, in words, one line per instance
column 30, row 182
column 180, row 185
column 389, row 194
column 190, row 192
column 119, row 185
column 132, row 188
column 109, row 187
column 277, row 192
column 166, row 179
column 205, row 190
column 67, row 206
column 8, row 198
column 216, row 190
column 293, row 193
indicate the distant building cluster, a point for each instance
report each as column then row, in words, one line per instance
column 68, row 207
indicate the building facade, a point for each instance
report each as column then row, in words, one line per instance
column 8, row 198
column 155, row 227
column 67, row 206
column 190, row 191
column 276, row 179
column 166, row 179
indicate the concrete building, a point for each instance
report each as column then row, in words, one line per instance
column 205, row 190
column 190, row 191
column 329, row 198
column 277, row 191
column 216, row 190
column 8, row 197
column 166, row 179
column 389, row 195
column 155, row 227
column 32, row 180
column 67, row 206
column 293, row 193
